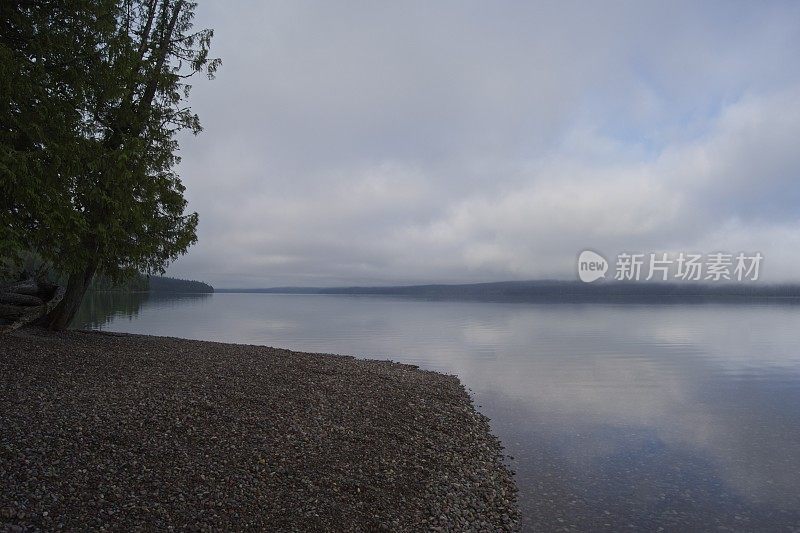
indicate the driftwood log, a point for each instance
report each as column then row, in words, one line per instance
column 25, row 302
column 28, row 286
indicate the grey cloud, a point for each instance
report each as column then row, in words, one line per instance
column 365, row 142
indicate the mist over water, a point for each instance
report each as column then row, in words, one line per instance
column 679, row 416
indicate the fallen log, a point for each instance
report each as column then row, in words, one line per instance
column 20, row 316
column 14, row 298
column 12, row 311
column 29, row 287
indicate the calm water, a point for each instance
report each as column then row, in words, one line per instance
column 617, row 416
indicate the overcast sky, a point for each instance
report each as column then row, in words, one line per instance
column 435, row 141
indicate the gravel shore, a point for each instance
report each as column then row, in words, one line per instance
column 129, row 432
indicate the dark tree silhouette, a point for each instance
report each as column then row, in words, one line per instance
column 97, row 93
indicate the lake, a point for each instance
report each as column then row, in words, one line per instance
column 684, row 417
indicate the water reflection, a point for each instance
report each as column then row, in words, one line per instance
column 103, row 307
column 617, row 416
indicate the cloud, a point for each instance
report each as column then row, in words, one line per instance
column 372, row 143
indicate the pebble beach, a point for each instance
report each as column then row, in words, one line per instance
column 109, row 431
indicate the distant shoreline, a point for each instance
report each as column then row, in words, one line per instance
column 564, row 291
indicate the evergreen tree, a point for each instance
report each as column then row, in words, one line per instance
column 96, row 93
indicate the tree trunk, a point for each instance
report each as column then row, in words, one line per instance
column 64, row 312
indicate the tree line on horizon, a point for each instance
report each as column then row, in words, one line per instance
column 145, row 283
column 94, row 95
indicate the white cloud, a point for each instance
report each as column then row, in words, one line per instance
column 374, row 143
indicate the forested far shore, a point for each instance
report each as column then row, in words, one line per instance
column 553, row 291
column 144, row 283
